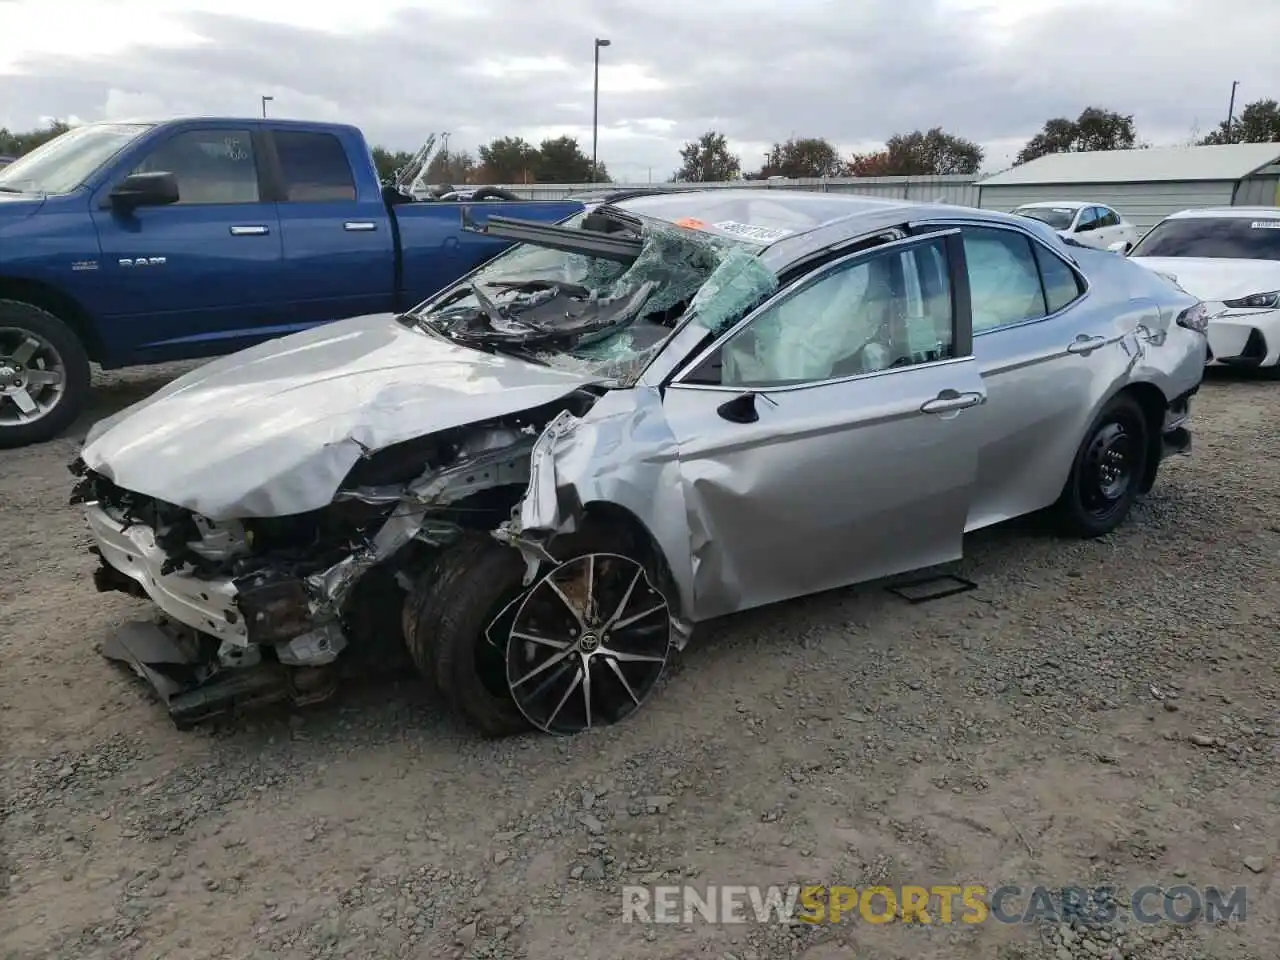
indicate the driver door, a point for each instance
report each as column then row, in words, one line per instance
column 832, row 436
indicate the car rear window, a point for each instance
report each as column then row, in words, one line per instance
column 1218, row 238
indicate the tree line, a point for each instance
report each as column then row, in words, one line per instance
column 708, row 158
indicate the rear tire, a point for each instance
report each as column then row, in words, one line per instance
column 35, row 346
column 1107, row 472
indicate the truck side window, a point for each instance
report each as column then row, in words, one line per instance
column 211, row 166
column 314, row 167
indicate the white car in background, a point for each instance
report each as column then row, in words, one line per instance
column 1092, row 224
column 1229, row 258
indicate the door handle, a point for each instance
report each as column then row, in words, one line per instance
column 359, row 226
column 1085, row 344
column 256, row 230
column 949, row 401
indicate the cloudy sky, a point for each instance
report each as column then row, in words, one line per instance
column 853, row 71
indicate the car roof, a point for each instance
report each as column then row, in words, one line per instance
column 1225, row 213
column 784, row 213
column 794, row 223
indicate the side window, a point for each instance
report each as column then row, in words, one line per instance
column 1088, row 220
column 1061, row 284
column 211, row 166
column 314, row 167
column 1109, row 217
column 892, row 309
column 1004, row 284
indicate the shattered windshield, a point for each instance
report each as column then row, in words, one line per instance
column 605, row 313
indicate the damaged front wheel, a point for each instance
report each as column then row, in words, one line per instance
column 587, row 644
column 582, row 647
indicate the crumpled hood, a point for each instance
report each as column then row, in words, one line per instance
column 1214, row 279
column 273, row 430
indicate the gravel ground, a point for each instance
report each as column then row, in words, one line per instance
column 1094, row 713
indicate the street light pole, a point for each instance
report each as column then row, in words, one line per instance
column 595, row 111
column 265, row 101
column 1231, row 109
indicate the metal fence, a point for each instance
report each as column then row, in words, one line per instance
column 961, row 190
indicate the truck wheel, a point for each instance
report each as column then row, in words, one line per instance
column 1107, row 472
column 44, row 375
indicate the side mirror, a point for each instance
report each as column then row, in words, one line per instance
column 741, row 409
column 144, row 190
column 1117, row 247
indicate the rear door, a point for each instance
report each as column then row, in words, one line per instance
column 339, row 253
column 196, row 276
column 1029, row 306
column 830, row 437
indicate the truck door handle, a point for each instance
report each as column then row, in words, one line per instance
column 256, row 230
column 949, row 401
column 359, row 226
column 1085, row 344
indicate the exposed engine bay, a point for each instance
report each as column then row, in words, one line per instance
column 284, row 589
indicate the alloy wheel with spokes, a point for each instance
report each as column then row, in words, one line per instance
column 587, row 643
column 32, row 376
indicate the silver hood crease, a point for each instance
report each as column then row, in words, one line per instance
column 274, row 430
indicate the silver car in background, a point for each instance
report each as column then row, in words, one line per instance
column 666, row 409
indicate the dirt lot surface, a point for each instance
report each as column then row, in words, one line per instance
column 1094, row 713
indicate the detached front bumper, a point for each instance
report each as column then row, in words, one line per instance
column 208, row 606
column 217, row 646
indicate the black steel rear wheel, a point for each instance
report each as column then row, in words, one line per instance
column 1108, row 470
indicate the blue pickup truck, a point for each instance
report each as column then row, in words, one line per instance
column 141, row 242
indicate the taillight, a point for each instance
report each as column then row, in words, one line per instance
column 1195, row 318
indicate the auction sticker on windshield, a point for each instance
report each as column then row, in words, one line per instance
column 751, row 232
column 1266, row 224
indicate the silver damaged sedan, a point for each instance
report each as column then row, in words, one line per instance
column 665, row 409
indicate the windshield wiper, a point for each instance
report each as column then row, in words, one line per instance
column 4, row 189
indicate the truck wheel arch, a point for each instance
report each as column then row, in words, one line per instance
column 62, row 305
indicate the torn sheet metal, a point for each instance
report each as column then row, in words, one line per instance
column 274, row 430
column 622, row 453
